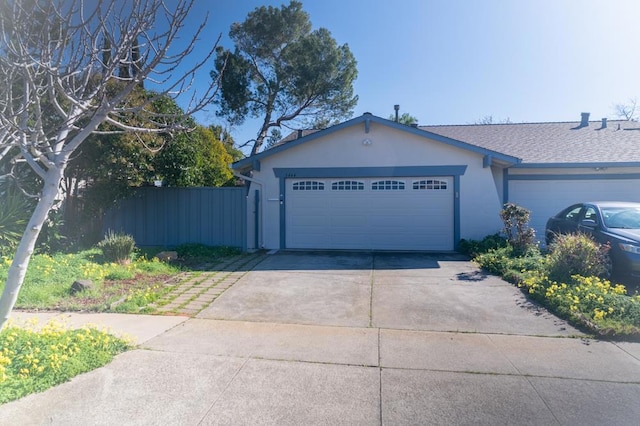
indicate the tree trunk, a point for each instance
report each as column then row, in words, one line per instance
column 258, row 144
column 18, row 267
column 263, row 132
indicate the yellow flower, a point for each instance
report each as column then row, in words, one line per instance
column 620, row 289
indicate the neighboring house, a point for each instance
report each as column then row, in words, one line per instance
column 373, row 184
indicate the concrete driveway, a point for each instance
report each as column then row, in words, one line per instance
column 396, row 291
column 357, row 339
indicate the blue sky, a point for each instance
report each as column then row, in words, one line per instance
column 456, row 61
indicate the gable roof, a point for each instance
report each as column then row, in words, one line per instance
column 550, row 144
column 366, row 119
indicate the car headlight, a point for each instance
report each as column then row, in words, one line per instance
column 630, row 248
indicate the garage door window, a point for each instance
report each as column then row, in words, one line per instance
column 308, row 185
column 347, row 185
column 387, row 185
column 430, row 184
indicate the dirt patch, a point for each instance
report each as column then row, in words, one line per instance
column 111, row 291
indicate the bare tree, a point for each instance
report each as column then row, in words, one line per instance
column 627, row 111
column 488, row 119
column 61, row 81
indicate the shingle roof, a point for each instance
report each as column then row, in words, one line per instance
column 296, row 135
column 545, row 143
column 565, row 142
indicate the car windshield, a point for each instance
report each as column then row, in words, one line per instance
column 621, row 217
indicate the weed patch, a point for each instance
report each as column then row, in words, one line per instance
column 592, row 302
column 33, row 360
column 49, row 278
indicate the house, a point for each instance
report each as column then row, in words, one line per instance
column 374, row 184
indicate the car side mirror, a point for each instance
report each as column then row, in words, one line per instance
column 589, row 223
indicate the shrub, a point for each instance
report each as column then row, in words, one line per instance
column 51, row 239
column 474, row 248
column 576, row 254
column 14, row 216
column 502, row 261
column 495, row 261
column 117, row 247
column 203, row 251
column 516, row 228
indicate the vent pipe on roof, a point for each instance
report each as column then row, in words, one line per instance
column 604, row 123
column 299, row 133
column 396, row 107
column 585, row 119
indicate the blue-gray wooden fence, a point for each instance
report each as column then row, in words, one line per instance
column 169, row 217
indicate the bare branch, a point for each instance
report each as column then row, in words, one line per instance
column 61, row 81
column 626, row 111
column 137, row 129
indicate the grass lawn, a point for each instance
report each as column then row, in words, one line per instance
column 128, row 288
column 34, row 357
column 47, row 284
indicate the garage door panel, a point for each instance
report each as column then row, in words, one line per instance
column 348, row 204
column 357, row 222
column 398, row 221
column 346, row 241
column 373, row 213
column 433, row 205
column 420, row 219
column 545, row 198
column 387, row 202
column 319, row 239
column 309, row 203
column 410, row 241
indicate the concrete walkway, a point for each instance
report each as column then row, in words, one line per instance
column 396, row 339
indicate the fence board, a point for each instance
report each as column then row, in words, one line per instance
column 169, row 217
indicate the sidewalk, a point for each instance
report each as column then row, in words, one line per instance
column 349, row 339
column 138, row 328
column 210, row 372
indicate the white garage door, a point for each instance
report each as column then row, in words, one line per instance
column 545, row 198
column 372, row 213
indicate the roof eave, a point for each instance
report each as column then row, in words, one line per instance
column 601, row 164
